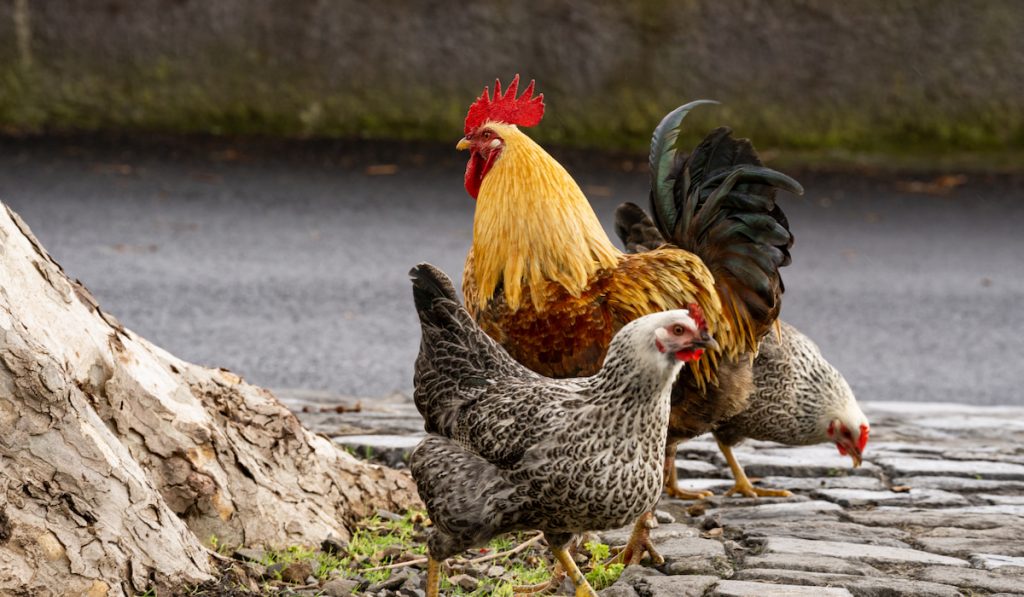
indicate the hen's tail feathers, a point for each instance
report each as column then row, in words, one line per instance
column 456, row 357
column 428, row 285
column 719, row 203
column 636, row 230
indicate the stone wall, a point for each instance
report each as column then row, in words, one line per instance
column 899, row 75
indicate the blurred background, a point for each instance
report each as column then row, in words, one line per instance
column 247, row 182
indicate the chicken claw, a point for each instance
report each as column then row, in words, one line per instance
column 743, row 485
column 745, row 488
column 640, row 543
column 685, row 494
column 672, row 483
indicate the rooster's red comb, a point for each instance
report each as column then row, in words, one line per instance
column 525, row 110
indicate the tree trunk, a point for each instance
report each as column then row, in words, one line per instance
column 118, row 460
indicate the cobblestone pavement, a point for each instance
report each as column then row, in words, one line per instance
column 937, row 509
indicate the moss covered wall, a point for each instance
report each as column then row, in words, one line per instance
column 871, row 74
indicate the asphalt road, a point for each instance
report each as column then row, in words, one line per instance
column 287, row 264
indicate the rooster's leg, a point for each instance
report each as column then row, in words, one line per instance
column 743, row 485
column 557, row 575
column 672, row 482
column 433, row 577
column 583, row 588
column 640, row 543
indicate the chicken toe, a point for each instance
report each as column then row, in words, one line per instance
column 743, row 486
column 640, row 543
column 672, row 483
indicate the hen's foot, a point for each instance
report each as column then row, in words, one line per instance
column 672, row 481
column 583, row 588
column 747, row 489
column 640, row 543
column 685, row 494
column 557, row 576
column 743, row 485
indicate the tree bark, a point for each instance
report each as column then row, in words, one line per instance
column 118, row 460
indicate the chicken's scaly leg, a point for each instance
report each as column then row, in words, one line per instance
column 583, row 588
column 672, row 482
column 743, row 485
column 640, row 543
column 433, row 577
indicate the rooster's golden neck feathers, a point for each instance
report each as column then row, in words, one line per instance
column 533, row 226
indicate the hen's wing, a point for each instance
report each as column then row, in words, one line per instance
column 467, row 387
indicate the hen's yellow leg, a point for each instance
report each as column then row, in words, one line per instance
column 672, row 482
column 433, row 577
column 583, row 588
column 743, row 485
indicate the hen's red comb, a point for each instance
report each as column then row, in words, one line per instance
column 525, row 110
column 697, row 315
column 863, row 440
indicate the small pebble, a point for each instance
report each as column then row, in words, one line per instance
column 273, row 570
column 464, row 581
column 333, row 545
column 711, row 521
column 296, row 572
column 249, row 555
column 664, row 517
column 339, row 587
column 390, row 516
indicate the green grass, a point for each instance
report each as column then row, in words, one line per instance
column 379, row 542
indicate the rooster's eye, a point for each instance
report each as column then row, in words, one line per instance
column 678, row 330
column 487, row 134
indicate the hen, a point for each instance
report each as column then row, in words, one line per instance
column 511, row 450
column 799, row 398
column 545, row 281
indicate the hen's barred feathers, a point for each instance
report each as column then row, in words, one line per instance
column 510, row 450
column 797, row 392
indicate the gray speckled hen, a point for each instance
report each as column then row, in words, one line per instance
column 511, row 450
column 799, row 398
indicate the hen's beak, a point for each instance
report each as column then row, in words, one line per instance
column 463, row 144
column 855, row 456
column 706, row 342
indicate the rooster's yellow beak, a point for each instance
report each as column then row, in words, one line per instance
column 463, row 144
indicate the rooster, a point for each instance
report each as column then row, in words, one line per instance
column 511, row 450
column 545, row 281
column 799, row 398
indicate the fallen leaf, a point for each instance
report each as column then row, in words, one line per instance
column 696, row 510
column 597, row 191
column 381, row 169
column 937, row 186
column 900, row 488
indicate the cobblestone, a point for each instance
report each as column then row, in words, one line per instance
column 936, row 510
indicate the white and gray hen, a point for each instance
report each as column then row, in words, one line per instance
column 508, row 449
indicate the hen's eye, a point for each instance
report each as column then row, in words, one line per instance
column 678, row 330
column 487, row 134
